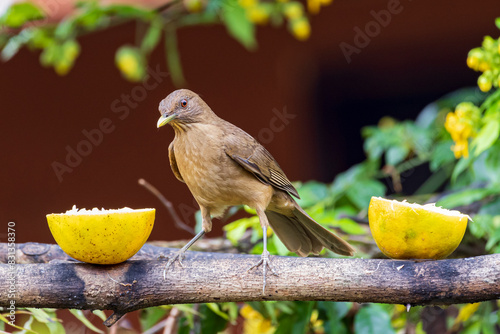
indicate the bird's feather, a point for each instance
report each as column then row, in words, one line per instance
column 173, row 162
column 327, row 238
column 256, row 159
column 294, row 236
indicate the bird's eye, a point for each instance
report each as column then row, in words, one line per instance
column 184, row 103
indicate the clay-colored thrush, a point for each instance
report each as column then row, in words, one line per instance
column 223, row 166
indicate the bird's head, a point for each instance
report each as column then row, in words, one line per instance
column 182, row 107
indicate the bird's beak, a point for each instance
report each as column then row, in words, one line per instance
column 164, row 119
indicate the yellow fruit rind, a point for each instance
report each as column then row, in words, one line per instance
column 107, row 238
column 404, row 231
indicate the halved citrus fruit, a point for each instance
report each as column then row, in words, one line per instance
column 412, row 231
column 101, row 236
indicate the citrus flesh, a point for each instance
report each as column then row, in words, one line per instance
column 101, row 236
column 413, row 231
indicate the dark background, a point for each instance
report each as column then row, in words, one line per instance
column 418, row 57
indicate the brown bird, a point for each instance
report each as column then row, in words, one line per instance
column 224, row 166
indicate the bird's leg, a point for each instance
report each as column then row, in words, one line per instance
column 206, row 227
column 264, row 260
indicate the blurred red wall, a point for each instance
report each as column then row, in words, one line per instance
column 421, row 52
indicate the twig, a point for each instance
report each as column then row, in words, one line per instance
column 171, row 321
column 177, row 220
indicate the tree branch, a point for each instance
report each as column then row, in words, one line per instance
column 220, row 277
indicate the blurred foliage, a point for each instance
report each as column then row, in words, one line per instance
column 456, row 138
column 24, row 25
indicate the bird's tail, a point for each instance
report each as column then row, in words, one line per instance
column 302, row 235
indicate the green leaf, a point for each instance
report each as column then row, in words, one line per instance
column 345, row 180
column 238, row 25
column 215, row 308
column 396, row 154
column 128, row 12
column 173, row 58
column 482, row 226
column 296, row 322
column 25, row 330
column 150, row 316
column 497, row 22
column 55, row 327
column 80, row 316
column 362, row 191
column 20, row 13
column 350, row 227
column 29, row 323
column 100, row 314
column 372, row 319
column 211, row 323
column 69, row 50
column 493, row 240
column 14, row 44
column 491, row 208
column 40, row 39
column 488, row 318
column 334, row 313
column 460, row 167
column 464, row 197
column 486, row 137
column 92, row 18
column 40, row 315
column 232, row 311
column 311, row 193
column 65, row 29
column 473, row 328
column 235, row 230
column 441, row 155
column 372, row 146
column 152, row 36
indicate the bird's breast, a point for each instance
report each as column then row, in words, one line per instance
column 215, row 179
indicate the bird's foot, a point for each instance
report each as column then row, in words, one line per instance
column 179, row 256
column 265, row 262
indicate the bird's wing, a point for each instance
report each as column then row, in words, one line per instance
column 252, row 156
column 173, row 162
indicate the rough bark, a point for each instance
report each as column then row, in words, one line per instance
column 221, row 277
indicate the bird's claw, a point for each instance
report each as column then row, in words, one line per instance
column 178, row 256
column 265, row 262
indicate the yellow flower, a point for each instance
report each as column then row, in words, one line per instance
column 293, row 10
column 460, row 125
column 193, row 6
column 247, row 3
column 473, row 63
column 484, row 66
column 257, row 14
column 255, row 322
column 461, row 148
column 484, row 83
column 316, row 324
column 127, row 63
column 301, row 28
column 130, row 62
column 465, row 313
column 313, row 6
